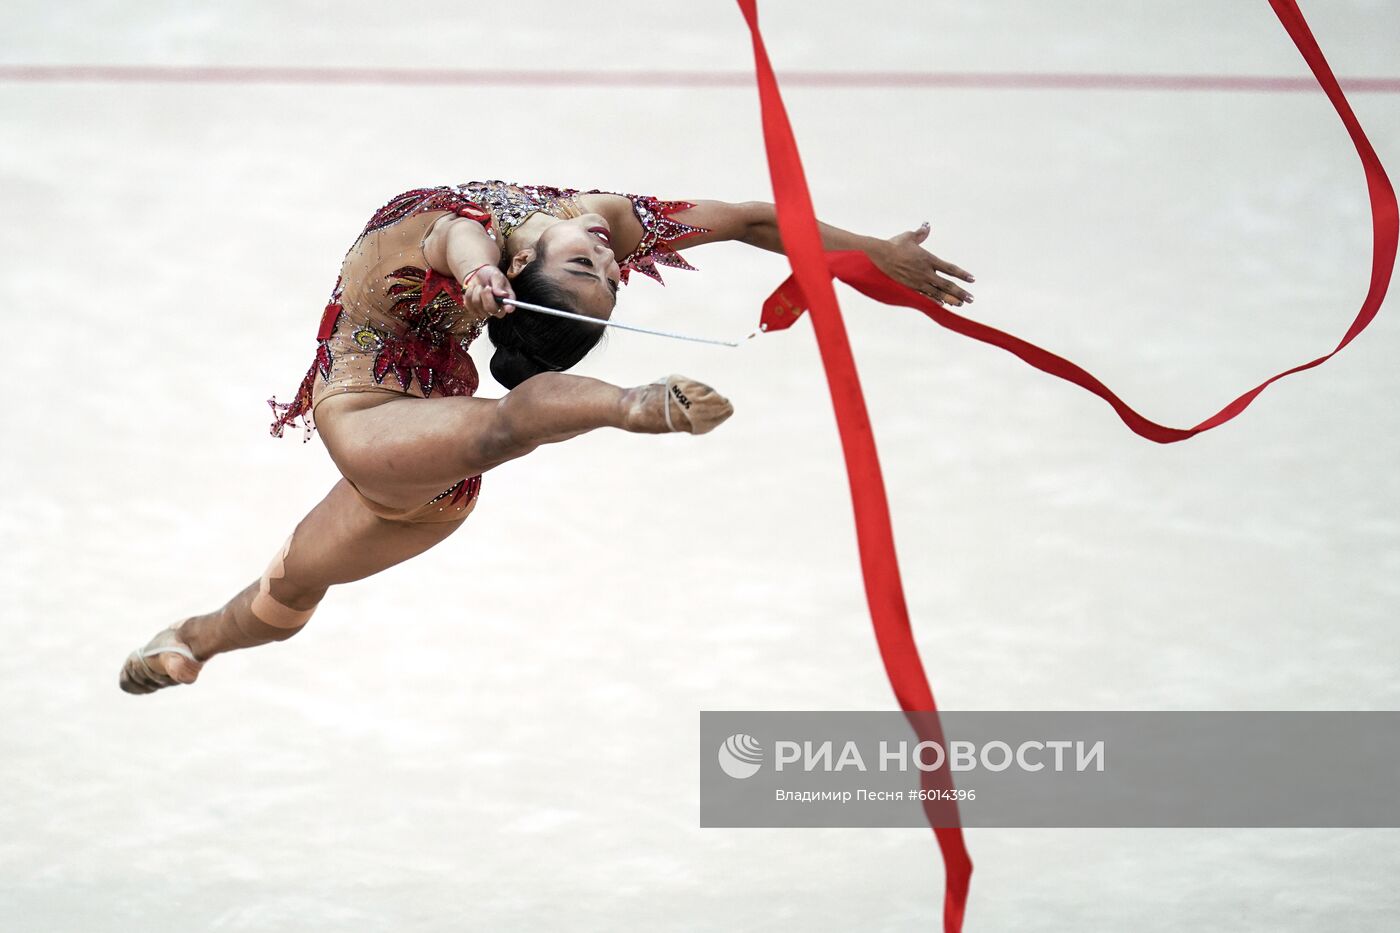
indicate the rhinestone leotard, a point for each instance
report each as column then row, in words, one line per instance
column 394, row 324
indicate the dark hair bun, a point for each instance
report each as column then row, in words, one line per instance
column 510, row 367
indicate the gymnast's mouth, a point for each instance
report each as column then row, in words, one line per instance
column 602, row 233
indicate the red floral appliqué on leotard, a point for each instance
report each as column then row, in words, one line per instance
column 659, row 231
column 429, row 304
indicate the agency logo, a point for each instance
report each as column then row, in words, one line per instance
column 740, row 755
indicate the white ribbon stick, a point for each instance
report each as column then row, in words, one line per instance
column 593, row 320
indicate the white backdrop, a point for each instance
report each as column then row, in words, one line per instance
column 501, row 734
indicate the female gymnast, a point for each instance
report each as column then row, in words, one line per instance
column 392, row 385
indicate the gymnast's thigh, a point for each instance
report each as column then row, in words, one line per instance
column 341, row 540
column 402, row 450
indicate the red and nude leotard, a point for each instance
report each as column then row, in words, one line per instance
column 395, row 325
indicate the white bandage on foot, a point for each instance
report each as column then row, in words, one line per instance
column 266, row 608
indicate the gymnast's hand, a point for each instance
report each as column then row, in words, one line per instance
column 908, row 263
column 483, row 290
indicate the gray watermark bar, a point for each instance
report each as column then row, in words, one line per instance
column 1050, row 769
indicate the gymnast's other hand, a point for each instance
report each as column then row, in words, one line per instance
column 483, row 292
column 908, row 263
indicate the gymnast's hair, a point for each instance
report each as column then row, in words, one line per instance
column 528, row 343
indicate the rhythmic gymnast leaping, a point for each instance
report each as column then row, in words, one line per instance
column 392, row 385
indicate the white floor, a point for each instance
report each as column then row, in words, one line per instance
column 501, row 735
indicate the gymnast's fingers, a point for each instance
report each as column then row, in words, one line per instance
column 498, row 307
column 504, row 291
column 946, row 288
column 955, row 271
column 480, row 301
column 494, row 287
column 492, row 306
column 942, row 298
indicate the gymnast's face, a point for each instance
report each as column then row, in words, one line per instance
column 577, row 256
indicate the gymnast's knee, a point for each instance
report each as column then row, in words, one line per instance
column 286, row 611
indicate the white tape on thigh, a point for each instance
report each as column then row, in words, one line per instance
column 267, row 609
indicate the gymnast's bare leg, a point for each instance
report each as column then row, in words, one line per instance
column 401, row 451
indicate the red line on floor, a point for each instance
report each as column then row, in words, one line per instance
column 836, row 80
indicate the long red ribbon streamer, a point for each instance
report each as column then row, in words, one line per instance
column 810, row 287
column 788, row 302
column 797, row 224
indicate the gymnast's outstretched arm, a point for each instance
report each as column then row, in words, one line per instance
column 901, row 257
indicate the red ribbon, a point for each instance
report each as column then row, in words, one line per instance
column 788, row 302
column 810, row 287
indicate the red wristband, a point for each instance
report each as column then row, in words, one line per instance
column 474, row 272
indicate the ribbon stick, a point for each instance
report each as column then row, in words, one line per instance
column 633, row 327
column 810, row 287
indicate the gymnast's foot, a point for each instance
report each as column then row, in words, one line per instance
column 674, row 403
column 164, row 662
